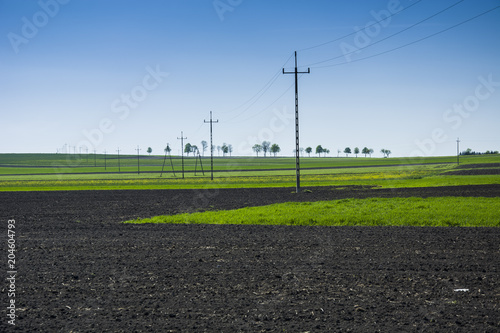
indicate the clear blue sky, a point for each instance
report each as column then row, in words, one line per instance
column 122, row 73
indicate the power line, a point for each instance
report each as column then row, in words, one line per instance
column 267, row 107
column 390, row 36
column 268, row 85
column 255, row 101
column 367, row 26
column 411, row 43
column 259, row 94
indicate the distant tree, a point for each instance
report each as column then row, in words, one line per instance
column 326, row 151
column 365, row 151
column 257, row 149
column 301, row 151
column 266, row 145
column 319, row 150
column 371, row 151
column 187, row 148
column 218, row 150
column 194, row 149
column 167, row 149
column 150, row 150
column 385, row 152
column 309, row 151
column 275, row 149
column 204, row 146
column 338, row 152
column 356, row 151
column 225, row 149
column 347, row 151
column 230, row 149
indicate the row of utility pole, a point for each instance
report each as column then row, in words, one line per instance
column 297, row 136
column 182, row 138
column 211, row 122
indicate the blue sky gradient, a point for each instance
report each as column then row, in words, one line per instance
column 108, row 74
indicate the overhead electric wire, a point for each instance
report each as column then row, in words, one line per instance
column 265, row 88
column 413, row 42
column 255, row 101
column 390, row 36
column 267, row 107
column 355, row 32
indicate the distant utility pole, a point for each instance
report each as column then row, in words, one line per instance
column 182, row 152
column 211, row 146
column 297, row 146
column 458, row 151
column 118, row 150
column 138, row 150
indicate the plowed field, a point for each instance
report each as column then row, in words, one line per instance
column 80, row 270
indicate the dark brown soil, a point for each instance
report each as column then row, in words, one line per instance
column 81, row 270
column 479, row 165
column 474, row 172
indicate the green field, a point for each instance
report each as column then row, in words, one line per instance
column 36, row 172
column 429, row 212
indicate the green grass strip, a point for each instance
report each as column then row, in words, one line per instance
column 441, row 211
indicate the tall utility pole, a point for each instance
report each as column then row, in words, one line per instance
column 182, row 152
column 211, row 146
column 458, row 151
column 138, row 150
column 297, row 146
column 118, row 150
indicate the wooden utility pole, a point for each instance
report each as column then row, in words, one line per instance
column 182, row 152
column 211, row 146
column 138, row 169
column 297, row 146
column 118, row 150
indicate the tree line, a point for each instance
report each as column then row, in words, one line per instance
column 366, row 151
column 266, row 147
column 273, row 148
